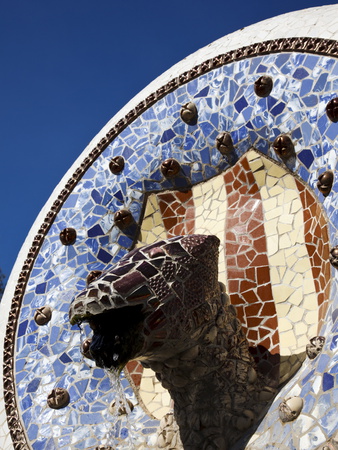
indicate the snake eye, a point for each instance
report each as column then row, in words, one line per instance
column 156, row 252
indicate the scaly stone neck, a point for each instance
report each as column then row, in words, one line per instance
column 217, row 392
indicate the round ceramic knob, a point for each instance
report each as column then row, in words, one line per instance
column 123, row 219
column 290, row 409
column 263, row 86
column 43, row 315
column 123, row 409
column 325, row 182
column 85, row 348
column 92, row 276
column 68, row 236
column 284, row 147
column 332, row 109
column 224, row 143
column 189, row 113
column 116, row 165
column 170, row 168
column 315, row 347
column 58, row 398
column 334, row 257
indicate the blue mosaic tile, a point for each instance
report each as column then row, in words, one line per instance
column 328, row 381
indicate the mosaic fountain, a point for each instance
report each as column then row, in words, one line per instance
column 235, row 150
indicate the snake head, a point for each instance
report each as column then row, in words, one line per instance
column 152, row 302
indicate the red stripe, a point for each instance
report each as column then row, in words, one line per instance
column 317, row 244
column 248, row 275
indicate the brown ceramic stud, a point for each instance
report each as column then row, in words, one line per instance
column 315, row 347
column 116, row 165
column 123, row 219
column 332, row 109
column 58, row 398
column 103, row 447
column 43, row 315
column 122, row 408
column 290, row 409
column 189, row 113
column 325, row 182
column 263, row 86
column 284, row 147
column 85, row 349
column 92, row 276
column 334, row 257
column 68, row 236
column 224, row 143
column 170, row 168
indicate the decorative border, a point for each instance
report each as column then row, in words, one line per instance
column 318, row 46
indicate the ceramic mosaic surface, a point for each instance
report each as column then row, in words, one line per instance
column 275, row 230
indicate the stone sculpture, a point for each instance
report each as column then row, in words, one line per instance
column 163, row 304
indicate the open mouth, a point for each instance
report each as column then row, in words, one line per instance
column 117, row 337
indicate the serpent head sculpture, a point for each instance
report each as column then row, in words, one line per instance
column 162, row 304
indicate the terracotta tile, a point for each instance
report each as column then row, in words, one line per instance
column 275, row 338
column 245, row 165
column 260, row 245
column 254, row 322
column 236, row 169
column 236, row 184
column 246, row 285
column 253, row 225
column 184, row 196
column 244, row 249
column 233, row 285
column 317, row 285
column 240, row 312
column 315, row 272
column 250, row 178
column 169, row 223
column 316, row 260
column 250, row 297
column 253, row 190
column 310, row 248
column 307, row 215
column 322, row 282
column 180, row 210
column 250, row 273
column 271, row 322
column 263, row 332
column 232, row 248
column 231, row 261
column 263, row 275
column 251, row 255
column 320, row 298
column 242, row 177
column 300, row 186
column 269, row 309
column 245, row 216
column 253, row 310
column 260, row 260
column 229, row 177
column 265, row 292
column 310, row 200
column 190, row 214
column 135, row 370
column 252, row 335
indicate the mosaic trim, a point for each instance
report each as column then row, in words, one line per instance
column 308, row 45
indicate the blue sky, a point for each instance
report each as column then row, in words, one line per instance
column 68, row 66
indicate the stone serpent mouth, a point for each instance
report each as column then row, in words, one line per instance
column 113, row 343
